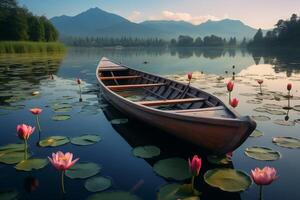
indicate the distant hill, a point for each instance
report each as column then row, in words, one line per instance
column 99, row 23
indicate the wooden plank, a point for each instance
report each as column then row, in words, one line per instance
column 118, row 77
column 124, row 87
column 112, row 69
column 197, row 109
column 169, row 101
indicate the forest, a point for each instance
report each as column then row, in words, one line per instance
column 285, row 34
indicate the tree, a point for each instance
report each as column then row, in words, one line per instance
column 198, row 42
column 258, row 37
column 185, row 41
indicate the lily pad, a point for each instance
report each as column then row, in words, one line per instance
column 11, row 148
column 173, row 168
column 113, row 195
column 297, row 108
column 8, row 195
column 119, row 121
column 288, row 142
column 253, row 101
column 276, row 112
column 12, row 157
column 54, row 141
column 83, row 170
column 61, row 117
column 262, row 153
column 261, row 109
column 284, row 123
column 229, row 180
column 85, row 139
column 261, row 118
column 97, row 184
column 272, row 106
column 30, row 164
column 218, row 160
column 173, row 192
column 257, row 133
column 146, row 151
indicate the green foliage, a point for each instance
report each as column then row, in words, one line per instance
column 29, row 47
column 207, row 41
column 18, row 24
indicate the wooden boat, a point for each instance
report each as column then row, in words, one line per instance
column 174, row 107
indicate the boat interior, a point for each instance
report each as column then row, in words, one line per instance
column 159, row 93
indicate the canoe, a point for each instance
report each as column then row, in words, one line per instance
column 179, row 109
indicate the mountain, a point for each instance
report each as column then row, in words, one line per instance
column 99, row 23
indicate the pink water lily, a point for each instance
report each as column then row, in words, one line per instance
column 24, row 131
column 62, row 161
column 234, row 102
column 264, row 176
column 289, row 86
column 190, row 75
column 35, row 111
column 195, row 166
column 230, row 86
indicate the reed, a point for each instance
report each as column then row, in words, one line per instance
column 30, row 47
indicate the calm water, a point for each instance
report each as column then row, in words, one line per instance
column 23, row 74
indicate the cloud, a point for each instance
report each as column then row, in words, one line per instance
column 182, row 16
column 135, row 16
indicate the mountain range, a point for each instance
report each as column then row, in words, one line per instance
column 99, row 23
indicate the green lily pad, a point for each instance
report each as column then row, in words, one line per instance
column 276, row 112
column 173, row 168
column 54, row 141
column 9, row 195
column 146, row 151
column 83, row 170
column 257, row 133
column 229, row 180
column 284, row 123
column 218, row 160
column 272, row 106
column 288, row 142
column 61, row 117
column 262, row 153
column 173, row 191
column 119, row 121
column 254, row 101
column 261, row 109
column 11, row 148
column 85, row 139
column 97, row 184
column 261, row 118
column 12, row 107
column 12, row 157
column 113, row 195
column 30, row 164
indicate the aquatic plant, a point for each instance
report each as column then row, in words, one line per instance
column 195, row 166
column 263, row 177
column 36, row 112
column 230, row 86
column 260, row 82
column 62, row 162
column 289, row 88
column 79, row 85
column 234, row 102
column 24, row 131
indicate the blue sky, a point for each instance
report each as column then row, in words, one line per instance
column 256, row 13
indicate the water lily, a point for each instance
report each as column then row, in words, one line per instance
column 195, row 166
column 234, row 102
column 289, row 88
column 230, row 86
column 62, row 162
column 190, row 75
column 24, row 131
column 79, row 85
column 260, row 82
column 263, row 177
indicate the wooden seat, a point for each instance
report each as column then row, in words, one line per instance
column 117, row 68
column 125, row 87
column 169, row 101
column 118, row 77
column 197, row 109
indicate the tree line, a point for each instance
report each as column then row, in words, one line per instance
column 285, row 34
column 18, row 24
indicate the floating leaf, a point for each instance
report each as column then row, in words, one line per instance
column 261, row 118
column 174, row 191
column 257, row 133
column 284, row 123
column 119, row 121
column 8, row 195
column 113, row 196
column 172, row 168
column 272, row 106
column 276, row 112
column 61, row 117
column 262, row 153
column 254, row 101
column 260, row 109
column 297, row 108
column 229, row 180
column 83, row 170
column 97, row 184
column 288, row 142
column 12, row 107
column 30, row 164
column 146, row 151
column 85, row 139
column 11, row 148
column 218, row 160
column 12, row 157
column 54, row 141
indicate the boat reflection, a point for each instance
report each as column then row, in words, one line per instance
column 139, row 134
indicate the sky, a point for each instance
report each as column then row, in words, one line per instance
column 255, row 13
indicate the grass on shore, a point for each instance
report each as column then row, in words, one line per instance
column 30, row 47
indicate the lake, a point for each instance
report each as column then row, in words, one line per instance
column 64, row 115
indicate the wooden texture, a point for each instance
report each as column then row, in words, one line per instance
column 126, row 87
column 169, row 101
column 118, row 77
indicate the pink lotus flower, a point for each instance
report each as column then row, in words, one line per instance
column 289, row 86
column 190, row 75
column 62, row 161
column 234, row 102
column 78, row 81
column 35, row 111
column 264, row 176
column 24, row 131
column 260, row 81
column 230, row 86
column 195, row 165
